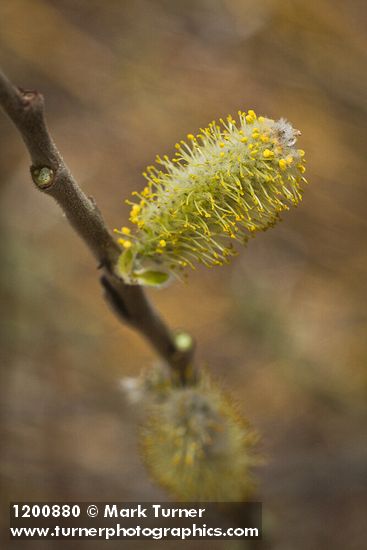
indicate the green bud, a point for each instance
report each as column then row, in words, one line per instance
column 42, row 176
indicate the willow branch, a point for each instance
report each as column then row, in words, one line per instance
column 51, row 176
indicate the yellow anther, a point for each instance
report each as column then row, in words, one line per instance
column 124, row 243
column 268, row 154
column 283, row 164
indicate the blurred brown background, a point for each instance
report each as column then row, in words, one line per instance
column 283, row 327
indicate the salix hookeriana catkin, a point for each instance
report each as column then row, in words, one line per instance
column 194, row 442
column 229, row 182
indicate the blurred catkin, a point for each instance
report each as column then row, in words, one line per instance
column 193, row 441
column 232, row 180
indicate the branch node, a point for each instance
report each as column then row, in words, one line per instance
column 115, row 300
column 30, row 97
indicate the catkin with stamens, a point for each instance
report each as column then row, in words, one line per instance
column 194, row 442
column 228, row 182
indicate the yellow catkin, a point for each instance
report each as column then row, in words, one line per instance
column 195, row 443
column 223, row 186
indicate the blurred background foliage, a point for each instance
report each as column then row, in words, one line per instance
column 283, row 327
